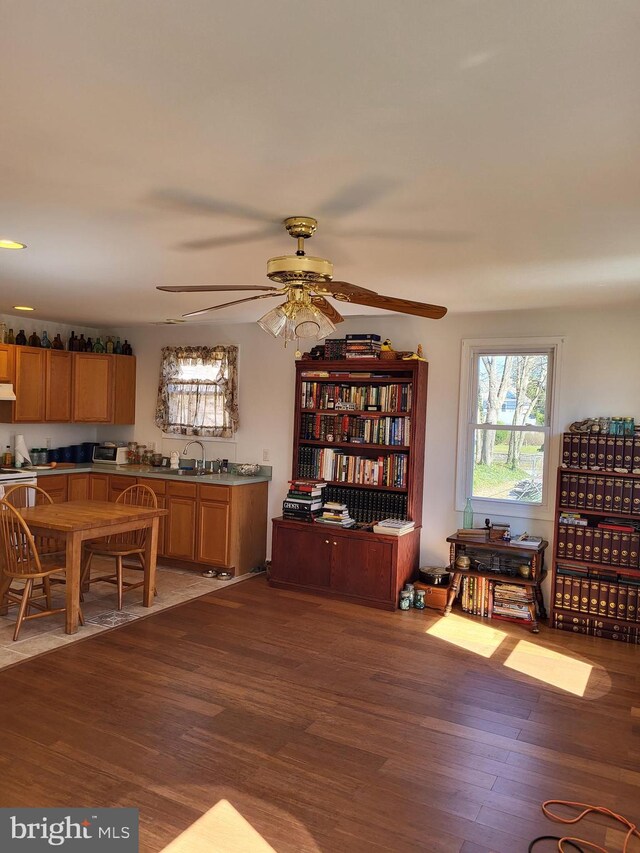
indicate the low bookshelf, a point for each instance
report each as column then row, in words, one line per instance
column 359, row 425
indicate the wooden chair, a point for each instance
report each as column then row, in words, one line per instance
column 20, row 561
column 23, row 495
column 121, row 545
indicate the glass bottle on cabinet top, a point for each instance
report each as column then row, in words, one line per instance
column 21, row 338
column 467, row 519
column 56, row 343
column 45, row 343
column 34, row 340
column 10, row 337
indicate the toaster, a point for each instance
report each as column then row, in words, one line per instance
column 107, row 454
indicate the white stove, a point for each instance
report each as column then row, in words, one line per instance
column 14, row 477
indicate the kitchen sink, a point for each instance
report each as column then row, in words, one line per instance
column 190, row 472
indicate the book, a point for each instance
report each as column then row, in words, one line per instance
column 526, row 540
column 392, row 531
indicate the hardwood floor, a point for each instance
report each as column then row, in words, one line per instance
column 326, row 727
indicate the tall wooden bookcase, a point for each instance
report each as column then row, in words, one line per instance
column 353, row 564
column 596, row 570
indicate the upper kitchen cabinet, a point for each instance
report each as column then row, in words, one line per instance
column 56, row 386
column 93, row 378
column 58, row 375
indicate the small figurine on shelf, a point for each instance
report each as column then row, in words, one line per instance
column 386, row 350
column 34, row 339
column 21, row 338
column 45, row 343
column 57, row 342
column 415, row 356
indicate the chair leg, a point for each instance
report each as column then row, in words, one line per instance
column 46, row 583
column 119, row 578
column 24, row 603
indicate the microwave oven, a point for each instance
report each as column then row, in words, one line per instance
column 107, row 455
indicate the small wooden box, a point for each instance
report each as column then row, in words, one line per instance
column 435, row 597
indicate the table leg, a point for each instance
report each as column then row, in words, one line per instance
column 74, row 557
column 150, row 556
column 455, row 588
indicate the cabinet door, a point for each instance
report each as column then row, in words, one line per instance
column 7, row 352
column 92, row 387
column 159, row 488
column 57, row 384
column 213, row 533
column 99, row 487
column 117, row 485
column 55, row 485
column 78, row 487
column 362, row 568
column 181, row 528
column 301, row 556
column 124, row 393
column 29, row 405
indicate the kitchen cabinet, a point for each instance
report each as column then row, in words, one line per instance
column 7, row 353
column 56, row 486
column 77, row 487
column 117, row 485
column 182, row 520
column 99, row 487
column 306, row 556
column 56, row 386
column 58, row 374
column 213, row 533
column 92, row 388
column 29, row 404
column 158, row 487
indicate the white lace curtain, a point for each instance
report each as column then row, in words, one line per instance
column 198, row 391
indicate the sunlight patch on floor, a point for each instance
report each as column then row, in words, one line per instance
column 549, row 666
column 471, row 636
column 220, row 830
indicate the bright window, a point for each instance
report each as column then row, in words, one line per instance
column 197, row 393
column 506, row 424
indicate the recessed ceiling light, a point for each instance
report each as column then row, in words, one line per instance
column 11, row 244
column 23, row 308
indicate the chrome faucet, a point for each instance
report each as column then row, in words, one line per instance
column 199, row 463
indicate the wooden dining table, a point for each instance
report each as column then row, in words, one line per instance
column 79, row 521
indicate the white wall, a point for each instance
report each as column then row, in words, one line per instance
column 599, row 375
column 36, row 435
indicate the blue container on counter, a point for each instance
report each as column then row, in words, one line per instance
column 87, row 450
column 76, row 452
column 53, row 454
column 66, row 454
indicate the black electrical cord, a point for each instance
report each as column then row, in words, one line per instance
column 553, row 838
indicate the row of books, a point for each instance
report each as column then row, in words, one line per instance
column 474, row 595
column 610, row 494
column 512, row 602
column 613, row 547
column 395, row 397
column 366, row 505
column 598, row 452
column 597, row 597
column 607, row 628
column 367, row 429
column 328, row 464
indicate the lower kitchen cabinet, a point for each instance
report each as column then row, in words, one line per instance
column 213, row 536
column 351, row 564
column 99, row 487
column 180, row 540
column 78, row 487
column 56, row 486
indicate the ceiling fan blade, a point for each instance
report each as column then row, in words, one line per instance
column 226, row 304
column 231, row 240
column 327, row 309
column 212, row 288
column 402, row 306
column 188, row 202
column 426, row 235
column 335, row 287
column 357, row 195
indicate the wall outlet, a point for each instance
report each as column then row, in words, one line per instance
column 48, row 443
column 265, row 455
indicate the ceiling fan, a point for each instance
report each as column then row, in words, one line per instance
column 306, row 281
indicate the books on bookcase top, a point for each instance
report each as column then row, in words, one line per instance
column 526, row 540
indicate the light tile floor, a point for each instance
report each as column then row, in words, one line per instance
column 100, row 613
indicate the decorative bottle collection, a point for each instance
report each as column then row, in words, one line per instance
column 74, row 344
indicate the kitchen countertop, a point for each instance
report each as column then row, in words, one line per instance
column 156, row 473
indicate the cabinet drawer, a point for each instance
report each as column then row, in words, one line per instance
column 158, row 487
column 182, row 490
column 215, row 493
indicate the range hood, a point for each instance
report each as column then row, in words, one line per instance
column 6, row 391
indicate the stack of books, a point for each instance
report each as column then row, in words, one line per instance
column 475, row 597
column 304, row 500
column 474, row 533
column 393, row 527
column 334, row 348
column 335, row 515
column 362, row 346
column 526, row 540
column 511, row 602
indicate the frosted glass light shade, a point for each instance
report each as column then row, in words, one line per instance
column 273, row 321
column 296, row 320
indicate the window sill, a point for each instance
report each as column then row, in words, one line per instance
column 485, row 507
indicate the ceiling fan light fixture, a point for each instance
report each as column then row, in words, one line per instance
column 312, row 323
column 274, row 321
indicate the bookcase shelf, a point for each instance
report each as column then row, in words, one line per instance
column 351, row 564
column 598, row 598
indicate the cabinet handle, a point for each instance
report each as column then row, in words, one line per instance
column 335, row 543
column 326, row 541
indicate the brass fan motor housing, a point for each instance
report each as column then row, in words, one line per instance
column 287, row 268
column 300, row 226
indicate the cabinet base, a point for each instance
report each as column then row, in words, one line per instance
column 338, row 596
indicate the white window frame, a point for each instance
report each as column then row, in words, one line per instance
column 493, row 507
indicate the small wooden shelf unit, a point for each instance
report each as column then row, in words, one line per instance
column 533, row 557
column 352, row 564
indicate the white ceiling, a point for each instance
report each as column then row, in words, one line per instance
column 502, row 134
